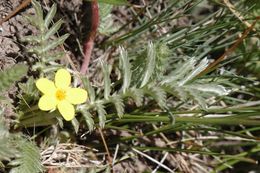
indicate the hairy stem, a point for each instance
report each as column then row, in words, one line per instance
column 89, row 42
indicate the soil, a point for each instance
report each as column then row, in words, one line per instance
column 74, row 14
column 9, row 49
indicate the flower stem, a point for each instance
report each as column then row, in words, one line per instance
column 89, row 42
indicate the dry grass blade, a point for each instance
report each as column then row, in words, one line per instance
column 214, row 65
column 153, row 160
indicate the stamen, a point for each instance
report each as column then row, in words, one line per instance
column 60, row 94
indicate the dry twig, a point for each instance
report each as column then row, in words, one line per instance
column 24, row 4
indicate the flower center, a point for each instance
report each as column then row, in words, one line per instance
column 60, row 94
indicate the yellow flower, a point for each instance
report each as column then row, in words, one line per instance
column 60, row 95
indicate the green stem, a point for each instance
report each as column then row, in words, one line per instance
column 194, row 120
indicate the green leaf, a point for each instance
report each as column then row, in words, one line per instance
column 50, row 15
column 33, row 20
column 31, row 39
column 29, row 94
column 119, row 105
column 179, row 73
column 39, row 14
column 75, row 124
column 197, row 96
column 12, row 75
column 199, row 68
column 181, row 83
column 28, row 159
column 106, row 24
column 5, row 152
column 150, row 64
column 163, row 56
column 101, row 115
column 211, row 88
column 107, row 80
column 157, row 94
column 89, row 88
column 53, row 56
column 105, row 10
column 53, row 30
column 89, row 120
column 51, row 45
column 137, row 95
column 176, row 91
column 126, row 68
column 55, row 43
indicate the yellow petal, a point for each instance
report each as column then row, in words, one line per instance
column 47, row 103
column 76, row 95
column 62, row 79
column 66, row 109
column 45, row 86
